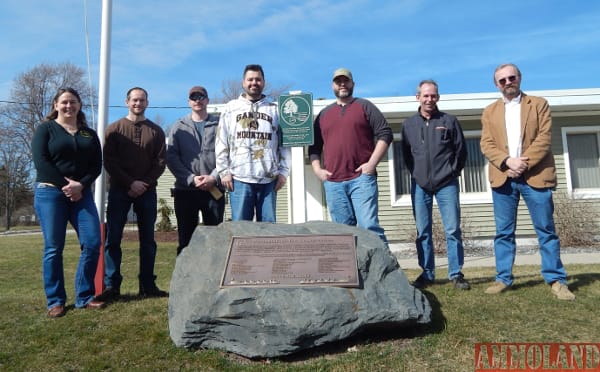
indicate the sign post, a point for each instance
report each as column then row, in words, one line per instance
column 296, row 123
column 296, row 119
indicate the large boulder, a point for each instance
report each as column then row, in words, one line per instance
column 271, row 322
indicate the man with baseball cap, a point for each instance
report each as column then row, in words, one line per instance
column 191, row 159
column 344, row 133
column 197, row 91
column 342, row 72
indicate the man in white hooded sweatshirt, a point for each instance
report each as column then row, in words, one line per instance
column 251, row 162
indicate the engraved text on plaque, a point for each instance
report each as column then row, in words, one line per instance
column 292, row 260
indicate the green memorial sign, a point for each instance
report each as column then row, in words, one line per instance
column 296, row 119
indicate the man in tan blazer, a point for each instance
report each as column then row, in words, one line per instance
column 516, row 140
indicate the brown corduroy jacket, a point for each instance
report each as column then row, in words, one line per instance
column 536, row 137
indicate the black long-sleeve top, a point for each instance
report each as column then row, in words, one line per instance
column 58, row 154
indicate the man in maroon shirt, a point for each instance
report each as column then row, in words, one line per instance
column 352, row 136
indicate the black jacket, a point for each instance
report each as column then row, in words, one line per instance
column 434, row 150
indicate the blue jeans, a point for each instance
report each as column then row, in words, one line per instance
column 540, row 205
column 248, row 198
column 449, row 206
column 54, row 210
column 118, row 206
column 354, row 202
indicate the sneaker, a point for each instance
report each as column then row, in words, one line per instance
column 422, row 282
column 562, row 292
column 109, row 294
column 460, row 283
column 497, row 287
column 152, row 291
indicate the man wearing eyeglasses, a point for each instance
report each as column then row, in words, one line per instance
column 352, row 135
column 191, row 159
column 516, row 140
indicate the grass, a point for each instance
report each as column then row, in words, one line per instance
column 19, row 228
column 134, row 334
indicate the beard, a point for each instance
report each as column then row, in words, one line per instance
column 511, row 91
column 254, row 91
column 343, row 94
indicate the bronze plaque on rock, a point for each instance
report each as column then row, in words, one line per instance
column 291, row 260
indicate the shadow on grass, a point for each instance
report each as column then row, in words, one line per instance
column 128, row 297
column 400, row 335
column 575, row 282
column 438, row 320
column 582, row 280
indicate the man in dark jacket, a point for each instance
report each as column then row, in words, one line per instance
column 191, row 159
column 433, row 146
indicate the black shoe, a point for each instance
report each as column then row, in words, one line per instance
column 109, row 294
column 460, row 283
column 152, row 291
column 422, row 282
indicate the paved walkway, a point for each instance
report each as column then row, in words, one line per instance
column 407, row 257
column 408, row 260
column 521, row 259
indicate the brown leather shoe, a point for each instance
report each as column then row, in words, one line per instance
column 95, row 304
column 56, row 311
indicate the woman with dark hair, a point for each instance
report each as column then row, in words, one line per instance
column 67, row 158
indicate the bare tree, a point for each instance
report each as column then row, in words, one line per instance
column 232, row 88
column 30, row 101
column 160, row 121
column 15, row 177
column 31, row 98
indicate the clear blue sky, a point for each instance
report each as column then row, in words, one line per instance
column 168, row 46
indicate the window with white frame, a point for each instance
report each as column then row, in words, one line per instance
column 474, row 185
column 582, row 159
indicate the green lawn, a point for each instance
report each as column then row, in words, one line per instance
column 133, row 334
column 18, row 229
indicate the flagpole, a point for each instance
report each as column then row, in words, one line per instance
column 103, row 89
